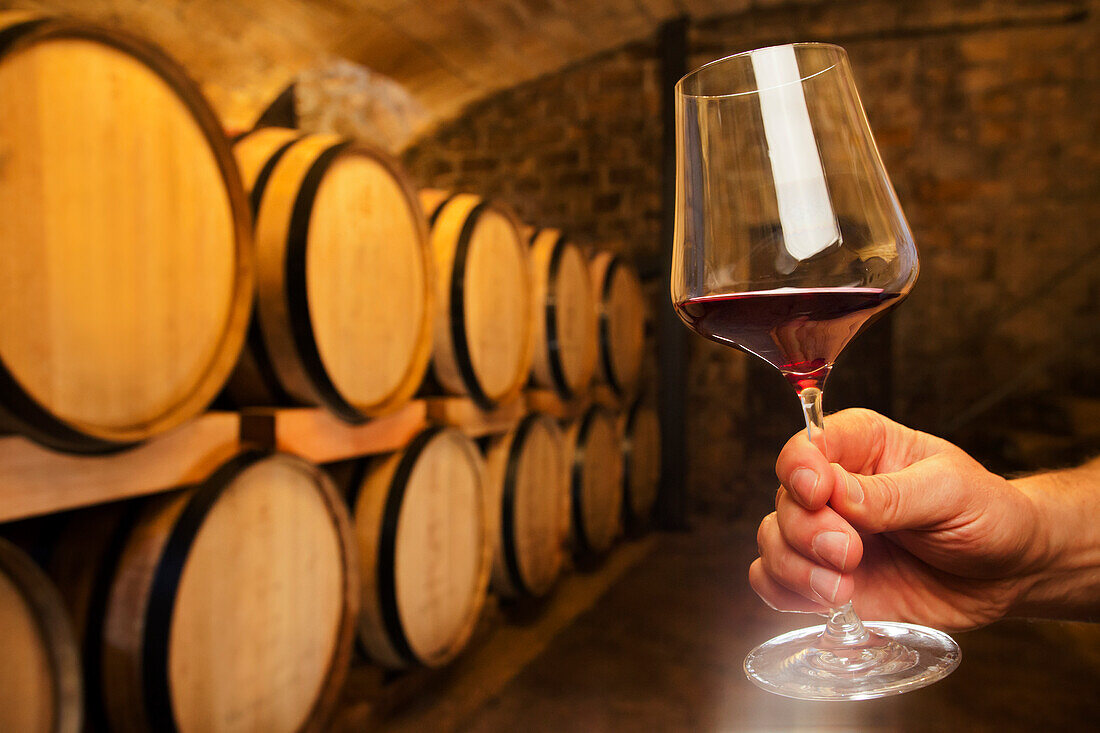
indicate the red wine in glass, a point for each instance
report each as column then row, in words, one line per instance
column 799, row 331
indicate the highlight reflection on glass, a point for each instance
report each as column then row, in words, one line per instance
column 805, row 213
column 789, row 242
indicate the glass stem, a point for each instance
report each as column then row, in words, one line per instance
column 815, row 417
column 843, row 627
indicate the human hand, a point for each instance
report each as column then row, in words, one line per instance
column 904, row 524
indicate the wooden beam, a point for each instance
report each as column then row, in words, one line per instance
column 549, row 402
column 463, row 412
column 319, row 436
column 35, row 480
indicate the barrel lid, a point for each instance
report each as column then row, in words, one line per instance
column 485, row 296
column 621, row 321
column 567, row 333
column 641, row 464
column 40, row 676
column 432, row 562
column 533, row 505
column 250, row 596
column 342, row 244
column 124, row 224
column 596, row 481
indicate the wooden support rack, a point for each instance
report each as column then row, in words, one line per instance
column 36, row 480
column 462, row 412
column 550, row 402
column 319, row 436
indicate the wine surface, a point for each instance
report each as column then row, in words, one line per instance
column 800, row 331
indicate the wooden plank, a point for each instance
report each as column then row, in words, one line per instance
column 463, row 412
column 319, row 436
column 550, row 402
column 35, row 480
column 605, row 396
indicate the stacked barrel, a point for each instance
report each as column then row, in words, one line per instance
column 125, row 243
column 150, row 266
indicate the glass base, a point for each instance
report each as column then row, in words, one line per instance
column 894, row 658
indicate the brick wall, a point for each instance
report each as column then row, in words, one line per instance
column 987, row 115
column 577, row 150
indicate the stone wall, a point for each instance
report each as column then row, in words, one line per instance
column 987, row 115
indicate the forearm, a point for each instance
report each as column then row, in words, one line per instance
column 1063, row 577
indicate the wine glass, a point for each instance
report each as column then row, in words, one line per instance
column 789, row 241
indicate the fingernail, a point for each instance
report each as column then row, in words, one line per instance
column 855, row 491
column 825, row 583
column 804, row 482
column 832, row 547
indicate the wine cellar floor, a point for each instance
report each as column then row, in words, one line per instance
column 662, row 651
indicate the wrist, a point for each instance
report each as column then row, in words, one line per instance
column 1060, row 575
column 1044, row 546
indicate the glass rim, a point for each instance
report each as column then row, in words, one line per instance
column 725, row 59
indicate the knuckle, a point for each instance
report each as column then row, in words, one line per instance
column 890, row 500
column 852, row 415
column 859, row 413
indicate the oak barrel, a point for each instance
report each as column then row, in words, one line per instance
column 344, row 283
column 125, row 245
column 565, row 315
column 641, row 465
column 40, row 682
column 483, row 337
column 621, row 309
column 595, row 481
column 80, row 557
column 420, row 520
column 233, row 604
column 528, row 506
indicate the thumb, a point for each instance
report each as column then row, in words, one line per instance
column 922, row 495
